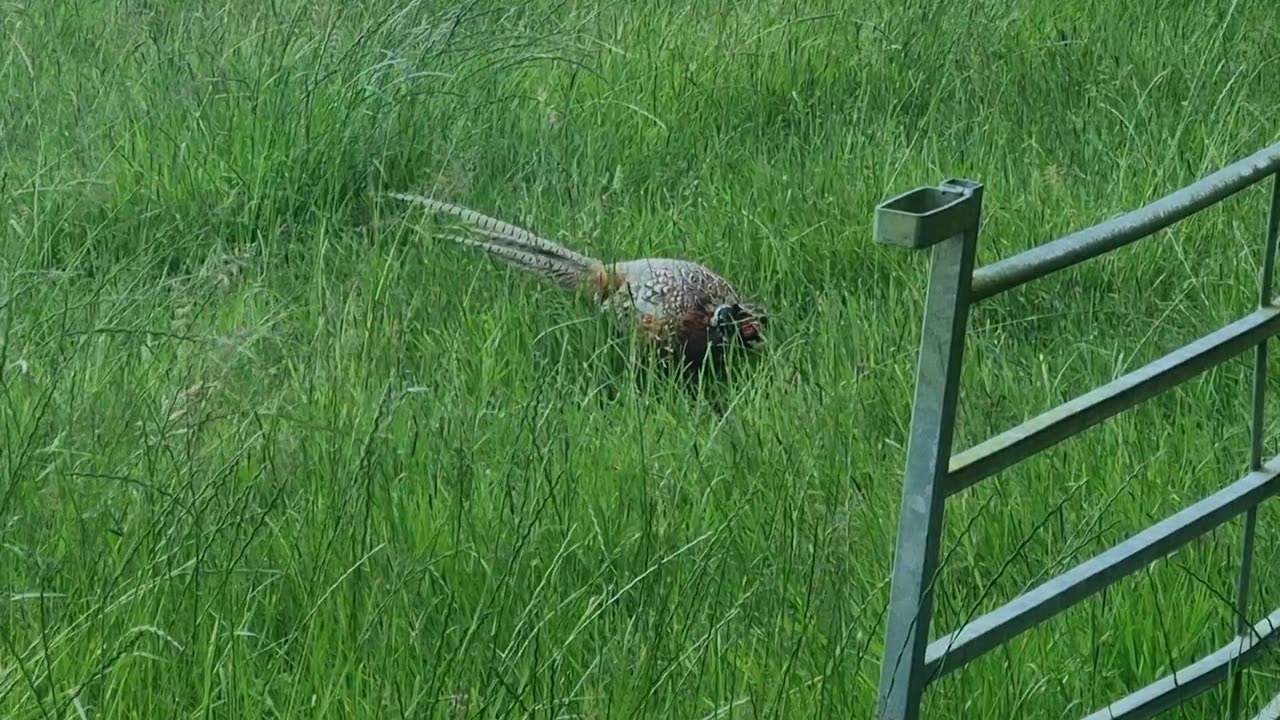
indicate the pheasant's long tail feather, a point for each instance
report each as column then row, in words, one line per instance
column 566, row 274
column 504, row 232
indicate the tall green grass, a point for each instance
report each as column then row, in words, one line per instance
column 267, row 451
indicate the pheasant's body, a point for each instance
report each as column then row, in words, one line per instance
column 684, row 308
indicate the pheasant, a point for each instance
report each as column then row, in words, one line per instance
column 683, row 309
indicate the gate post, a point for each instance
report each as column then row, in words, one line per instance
column 946, row 219
column 1266, row 286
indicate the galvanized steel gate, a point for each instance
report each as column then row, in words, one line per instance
column 945, row 218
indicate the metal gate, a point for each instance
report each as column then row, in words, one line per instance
column 945, row 218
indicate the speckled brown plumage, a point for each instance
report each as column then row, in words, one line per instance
column 683, row 308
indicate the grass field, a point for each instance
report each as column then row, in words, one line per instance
column 267, row 450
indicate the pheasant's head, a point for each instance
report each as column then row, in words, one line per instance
column 741, row 322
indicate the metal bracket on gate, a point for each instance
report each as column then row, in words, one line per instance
column 926, row 216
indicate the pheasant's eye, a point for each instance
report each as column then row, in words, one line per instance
column 724, row 315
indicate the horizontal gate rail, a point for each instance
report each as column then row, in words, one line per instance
column 1103, row 570
column 1271, row 711
column 1125, row 229
column 1177, row 688
column 1075, row 416
column 945, row 219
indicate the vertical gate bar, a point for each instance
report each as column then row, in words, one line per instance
column 1265, row 291
column 902, row 675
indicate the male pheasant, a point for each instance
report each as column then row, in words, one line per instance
column 684, row 309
